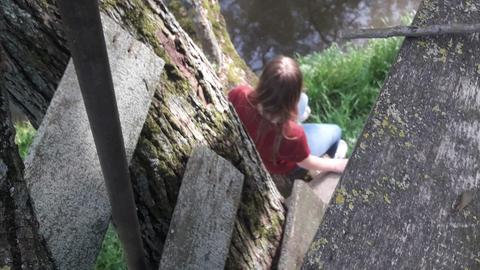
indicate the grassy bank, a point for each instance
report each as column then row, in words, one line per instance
column 343, row 83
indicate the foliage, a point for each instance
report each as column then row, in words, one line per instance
column 111, row 255
column 343, row 83
column 24, row 137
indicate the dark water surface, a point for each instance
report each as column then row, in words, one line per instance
column 261, row 29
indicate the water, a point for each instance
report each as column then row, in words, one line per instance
column 261, row 29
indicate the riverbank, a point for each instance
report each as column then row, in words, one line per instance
column 343, row 83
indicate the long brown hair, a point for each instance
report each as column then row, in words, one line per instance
column 276, row 95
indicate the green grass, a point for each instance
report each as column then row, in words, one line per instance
column 111, row 254
column 343, row 83
column 24, row 137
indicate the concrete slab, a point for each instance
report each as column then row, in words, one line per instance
column 203, row 219
column 324, row 185
column 418, row 155
column 63, row 171
column 305, row 212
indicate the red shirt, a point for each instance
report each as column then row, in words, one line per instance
column 293, row 148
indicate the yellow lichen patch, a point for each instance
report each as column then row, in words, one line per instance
column 367, row 194
column 385, row 122
column 393, row 124
column 350, row 206
column 423, row 44
column 443, row 55
column 408, row 144
column 402, row 185
column 322, row 241
column 339, row 199
column 459, row 48
column 316, row 245
column 363, row 146
column 436, row 53
column 387, row 199
column 5, row 268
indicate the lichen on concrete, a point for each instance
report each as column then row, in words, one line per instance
column 415, row 157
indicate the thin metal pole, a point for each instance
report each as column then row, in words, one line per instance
column 411, row 31
column 84, row 32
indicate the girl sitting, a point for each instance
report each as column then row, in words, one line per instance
column 269, row 114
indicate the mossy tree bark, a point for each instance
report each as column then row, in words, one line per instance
column 204, row 23
column 189, row 108
column 20, row 245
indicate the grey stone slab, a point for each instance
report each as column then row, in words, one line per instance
column 305, row 212
column 202, row 223
column 63, row 171
column 324, row 185
column 396, row 205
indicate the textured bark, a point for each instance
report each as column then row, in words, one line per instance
column 419, row 151
column 231, row 70
column 203, row 30
column 190, row 109
column 35, row 53
column 21, row 247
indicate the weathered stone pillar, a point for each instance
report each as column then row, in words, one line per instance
column 420, row 150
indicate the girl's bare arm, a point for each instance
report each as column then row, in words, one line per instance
column 323, row 164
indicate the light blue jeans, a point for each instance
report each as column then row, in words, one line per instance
column 321, row 138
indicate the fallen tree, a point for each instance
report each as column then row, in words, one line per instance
column 189, row 108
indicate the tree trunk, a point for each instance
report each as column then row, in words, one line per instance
column 202, row 30
column 20, row 245
column 189, row 108
column 231, row 69
column 35, row 54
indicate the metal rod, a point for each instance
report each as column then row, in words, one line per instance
column 411, row 31
column 84, row 33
